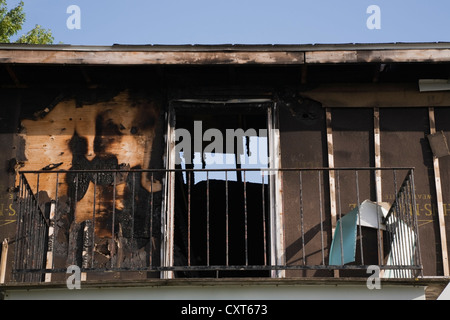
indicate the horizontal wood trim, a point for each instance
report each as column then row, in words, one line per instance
column 218, row 56
column 376, row 95
column 147, row 57
column 377, row 56
column 225, row 282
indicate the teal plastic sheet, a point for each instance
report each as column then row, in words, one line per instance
column 348, row 252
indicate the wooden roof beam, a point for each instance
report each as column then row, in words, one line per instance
column 215, row 56
column 148, row 57
column 378, row 56
column 372, row 95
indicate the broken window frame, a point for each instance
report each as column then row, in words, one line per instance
column 277, row 246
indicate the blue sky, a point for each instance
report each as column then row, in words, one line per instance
column 106, row 22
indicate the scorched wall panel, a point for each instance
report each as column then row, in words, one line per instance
column 302, row 146
column 117, row 130
column 404, row 143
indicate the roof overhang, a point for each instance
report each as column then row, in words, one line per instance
column 224, row 54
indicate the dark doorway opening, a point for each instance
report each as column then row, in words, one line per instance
column 221, row 194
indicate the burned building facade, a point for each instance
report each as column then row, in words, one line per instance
column 270, row 163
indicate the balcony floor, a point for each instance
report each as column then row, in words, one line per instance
column 233, row 288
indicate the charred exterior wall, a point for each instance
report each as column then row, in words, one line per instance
column 46, row 125
column 12, row 152
column 303, row 145
column 442, row 116
column 403, row 143
column 104, row 129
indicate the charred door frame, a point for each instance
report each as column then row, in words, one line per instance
column 277, row 244
column 277, row 256
column 168, row 207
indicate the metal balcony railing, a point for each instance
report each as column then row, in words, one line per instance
column 111, row 220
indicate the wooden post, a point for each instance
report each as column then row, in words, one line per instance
column 169, row 206
column 440, row 203
column 51, row 230
column 377, row 146
column 276, row 210
column 332, row 177
column 3, row 259
column 378, row 185
column 332, row 174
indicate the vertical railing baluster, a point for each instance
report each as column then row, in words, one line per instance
column 418, row 258
column 40, row 253
column 245, row 219
column 322, row 242
column 151, row 222
column 406, row 227
column 263, row 196
column 340, row 216
column 93, row 221
column 226, row 221
column 133, row 209
column 27, row 233
column 397, row 234
column 25, row 230
column 32, row 229
column 36, row 241
column 410, row 224
column 207, row 218
column 391, row 225
column 188, row 176
column 113, row 245
column 359, row 217
column 408, row 237
column 56, row 216
column 18, row 223
column 301, row 216
column 400, row 228
column 379, row 234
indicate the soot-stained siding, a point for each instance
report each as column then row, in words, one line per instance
column 51, row 119
column 404, row 143
column 442, row 116
column 95, row 130
column 303, row 145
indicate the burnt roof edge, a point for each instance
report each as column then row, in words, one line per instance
column 232, row 47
